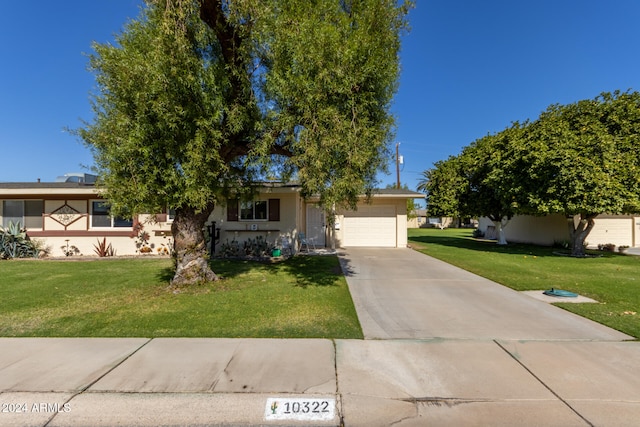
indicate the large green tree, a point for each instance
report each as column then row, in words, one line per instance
column 582, row 160
column 443, row 184
column 198, row 99
column 489, row 179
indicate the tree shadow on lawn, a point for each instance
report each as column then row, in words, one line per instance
column 488, row 246
column 221, row 267
column 314, row 270
column 166, row 274
column 307, row 270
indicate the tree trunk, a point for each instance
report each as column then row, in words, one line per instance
column 578, row 232
column 190, row 249
column 500, row 225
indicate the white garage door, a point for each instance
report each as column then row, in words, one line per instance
column 618, row 231
column 370, row 226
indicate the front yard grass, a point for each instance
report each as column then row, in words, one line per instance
column 303, row 297
column 611, row 279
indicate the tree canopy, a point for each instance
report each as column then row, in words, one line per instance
column 198, row 99
column 579, row 160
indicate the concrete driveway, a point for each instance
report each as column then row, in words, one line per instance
column 404, row 294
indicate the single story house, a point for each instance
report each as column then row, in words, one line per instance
column 620, row 230
column 418, row 219
column 72, row 218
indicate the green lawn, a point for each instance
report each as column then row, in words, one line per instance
column 302, row 297
column 611, row 279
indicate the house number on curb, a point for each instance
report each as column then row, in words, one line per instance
column 300, row 409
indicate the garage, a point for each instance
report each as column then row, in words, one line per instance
column 370, row 226
column 616, row 230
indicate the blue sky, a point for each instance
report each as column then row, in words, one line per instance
column 468, row 68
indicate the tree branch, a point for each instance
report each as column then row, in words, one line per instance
column 230, row 40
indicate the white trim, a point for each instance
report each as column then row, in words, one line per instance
column 111, row 218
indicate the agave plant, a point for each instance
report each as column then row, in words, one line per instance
column 102, row 249
column 14, row 242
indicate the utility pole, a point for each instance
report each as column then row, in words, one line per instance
column 398, row 165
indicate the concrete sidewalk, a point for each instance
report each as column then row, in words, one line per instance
column 203, row 382
column 458, row 351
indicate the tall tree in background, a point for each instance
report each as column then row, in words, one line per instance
column 490, row 180
column 582, row 160
column 200, row 98
column 443, row 185
column 579, row 160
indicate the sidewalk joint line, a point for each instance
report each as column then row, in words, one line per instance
column 82, row 390
column 543, row 383
column 338, row 396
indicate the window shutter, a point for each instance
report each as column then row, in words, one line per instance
column 274, row 209
column 232, row 210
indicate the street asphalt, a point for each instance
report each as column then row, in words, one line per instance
column 442, row 347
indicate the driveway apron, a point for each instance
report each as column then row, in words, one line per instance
column 404, row 294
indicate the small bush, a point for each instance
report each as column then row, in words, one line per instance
column 607, row 247
column 562, row 244
column 104, row 250
column 14, row 243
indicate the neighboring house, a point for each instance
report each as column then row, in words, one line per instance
column 418, row 220
column 421, row 220
column 440, row 222
column 68, row 215
column 620, row 230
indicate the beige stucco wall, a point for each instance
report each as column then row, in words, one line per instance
column 546, row 230
column 273, row 231
column 58, row 233
column 81, row 220
column 539, row 230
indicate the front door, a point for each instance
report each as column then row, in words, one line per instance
column 315, row 225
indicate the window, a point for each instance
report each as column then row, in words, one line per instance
column 101, row 217
column 27, row 212
column 253, row 210
column 259, row 210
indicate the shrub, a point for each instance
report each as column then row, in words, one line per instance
column 104, row 250
column 70, row 250
column 562, row 244
column 477, row 233
column 251, row 248
column 14, row 243
column 608, row 247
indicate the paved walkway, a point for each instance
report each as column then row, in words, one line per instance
column 448, row 369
